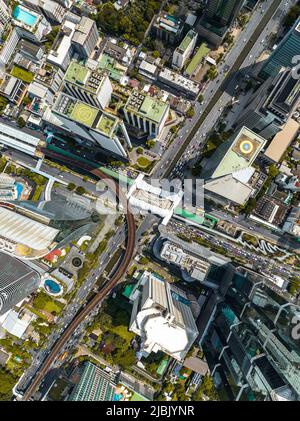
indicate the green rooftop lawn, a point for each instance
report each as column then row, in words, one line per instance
column 203, row 50
column 153, row 109
column 106, row 124
column 143, row 162
column 44, row 302
column 76, row 72
column 22, row 74
column 84, row 114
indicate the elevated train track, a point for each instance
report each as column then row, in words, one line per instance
column 80, row 317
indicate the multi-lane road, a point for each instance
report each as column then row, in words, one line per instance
column 262, row 23
column 85, row 311
column 189, row 136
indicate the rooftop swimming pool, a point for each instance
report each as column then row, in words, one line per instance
column 52, row 286
column 19, row 188
column 22, row 15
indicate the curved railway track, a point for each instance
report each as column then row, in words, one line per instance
column 79, row 318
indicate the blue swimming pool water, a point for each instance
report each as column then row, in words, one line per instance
column 52, row 286
column 19, row 188
column 24, row 16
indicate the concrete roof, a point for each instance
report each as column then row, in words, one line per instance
column 282, row 140
column 230, row 188
column 235, row 154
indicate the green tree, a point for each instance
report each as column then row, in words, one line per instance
column 21, row 122
column 124, row 359
column 71, row 186
column 80, row 190
column 190, row 112
column 7, row 382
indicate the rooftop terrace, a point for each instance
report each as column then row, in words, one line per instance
column 145, row 105
column 187, row 40
column 76, row 73
column 82, row 76
column 85, row 114
column 203, row 50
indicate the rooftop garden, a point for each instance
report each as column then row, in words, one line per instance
column 22, row 74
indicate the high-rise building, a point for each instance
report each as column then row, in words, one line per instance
column 272, row 105
column 17, row 281
column 185, row 50
column 283, row 54
column 61, row 53
column 95, row 384
column 53, row 10
column 230, row 172
column 88, row 123
column 90, row 86
column 146, row 113
column 167, row 28
column 5, row 15
column 223, row 11
column 29, row 24
column 85, row 37
column 250, row 345
column 162, row 317
column 217, row 18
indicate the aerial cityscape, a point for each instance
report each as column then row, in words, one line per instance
column 149, row 202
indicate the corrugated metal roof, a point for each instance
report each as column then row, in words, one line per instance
column 20, row 229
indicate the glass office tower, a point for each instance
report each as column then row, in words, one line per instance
column 283, row 54
column 250, row 346
column 223, row 11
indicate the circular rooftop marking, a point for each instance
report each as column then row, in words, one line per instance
column 77, row 262
column 246, row 147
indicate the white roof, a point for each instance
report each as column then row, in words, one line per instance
column 148, row 67
column 230, row 188
column 59, row 55
column 37, row 89
column 14, row 325
column 20, row 229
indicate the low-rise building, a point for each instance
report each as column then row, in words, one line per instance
column 282, row 141
column 196, row 267
column 12, row 88
column 179, row 84
column 17, row 281
column 292, row 222
column 20, row 140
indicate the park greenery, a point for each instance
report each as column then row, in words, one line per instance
column 131, row 23
column 44, row 302
column 114, row 342
column 7, row 382
column 3, row 104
